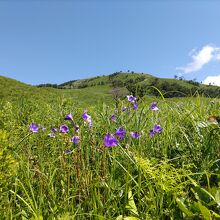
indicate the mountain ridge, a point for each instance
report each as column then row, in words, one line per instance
column 138, row 84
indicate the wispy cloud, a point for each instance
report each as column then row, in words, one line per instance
column 213, row 80
column 199, row 58
column 218, row 57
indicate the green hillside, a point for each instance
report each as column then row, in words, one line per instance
column 106, row 89
column 157, row 161
column 141, row 84
column 12, row 90
column 116, row 79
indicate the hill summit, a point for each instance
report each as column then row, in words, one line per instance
column 106, row 87
column 140, row 84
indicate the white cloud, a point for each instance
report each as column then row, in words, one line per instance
column 218, row 57
column 213, row 80
column 200, row 58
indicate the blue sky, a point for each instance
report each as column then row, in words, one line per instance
column 52, row 41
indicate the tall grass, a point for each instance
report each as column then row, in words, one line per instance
column 172, row 175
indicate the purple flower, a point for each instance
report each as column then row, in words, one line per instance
column 69, row 117
column 152, row 133
column 110, row 140
column 90, row 124
column 51, row 135
column 68, row 151
column 77, row 128
column 120, row 132
column 53, row 130
column 64, row 129
column 135, row 106
column 154, row 107
column 34, row 128
column 157, row 129
column 86, row 117
column 113, row 118
column 124, row 108
column 131, row 98
column 75, row 139
column 135, row 135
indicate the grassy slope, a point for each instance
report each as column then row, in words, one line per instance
column 138, row 79
column 94, row 182
column 143, row 178
column 105, row 79
column 89, row 95
column 12, row 90
column 124, row 77
column 84, row 92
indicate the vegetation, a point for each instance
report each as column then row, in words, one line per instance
column 171, row 88
column 145, row 158
column 138, row 84
column 14, row 91
column 141, row 84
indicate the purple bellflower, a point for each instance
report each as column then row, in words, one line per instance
column 152, row 133
column 86, row 117
column 110, row 140
column 124, row 108
column 120, row 132
column 69, row 117
column 90, row 124
column 135, row 135
column 51, row 135
column 53, row 130
column 34, row 128
column 131, row 98
column 154, row 107
column 75, row 139
column 64, row 129
column 135, row 106
column 157, row 129
column 113, row 118
column 77, row 128
column 68, row 151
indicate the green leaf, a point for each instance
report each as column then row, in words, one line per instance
column 217, row 197
column 131, row 204
column 202, row 194
column 120, row 217
column 183, row 207
column 192, row 181
column 205, row 212
column 215, row 215
column 131, row 218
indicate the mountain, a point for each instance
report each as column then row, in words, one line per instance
column 116, row 79
column 140, row 84
column 12, row 90
column 105, row 88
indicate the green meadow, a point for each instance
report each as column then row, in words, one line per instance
column 172, row 173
